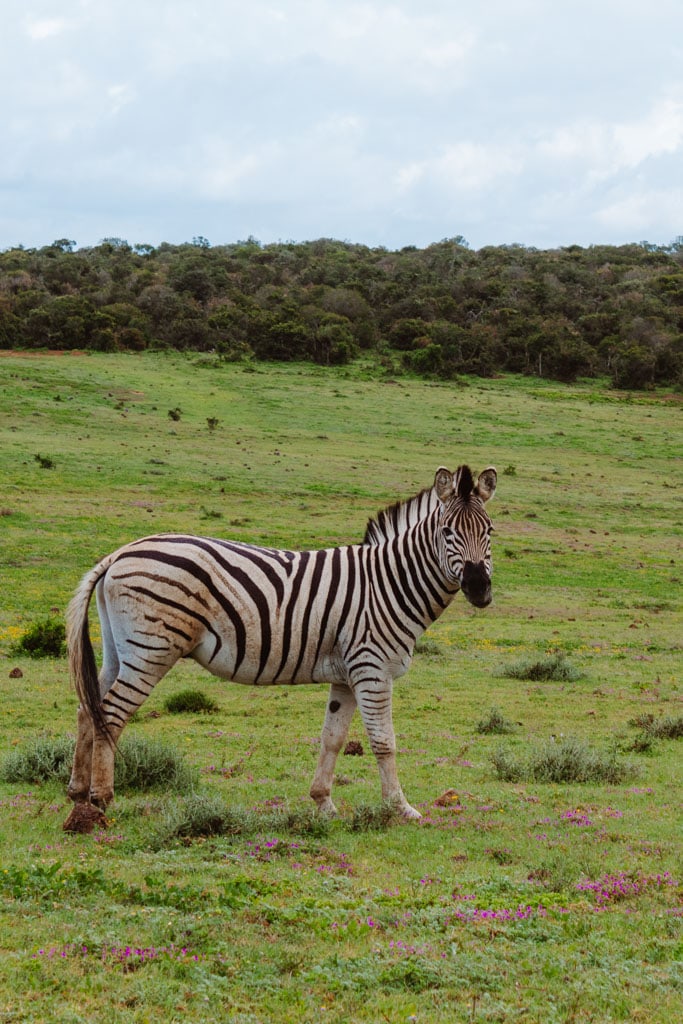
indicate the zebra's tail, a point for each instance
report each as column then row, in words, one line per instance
column 82, row 665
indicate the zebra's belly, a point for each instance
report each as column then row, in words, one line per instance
column 253, row 671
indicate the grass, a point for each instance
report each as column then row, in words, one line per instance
column 555, row 668
column 543, row 900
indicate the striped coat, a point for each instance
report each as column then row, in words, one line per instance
column 347, row 616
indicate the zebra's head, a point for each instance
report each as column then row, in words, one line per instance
column 465, row 530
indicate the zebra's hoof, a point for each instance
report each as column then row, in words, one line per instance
column 326, row 809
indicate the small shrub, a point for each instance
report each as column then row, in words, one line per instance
column 665, row 728
column 563, row 761
column 200, row 815
column 495, row 723
column 191, row 702
column 141, row 764
column 507, row 767
column 145, row 764
column 374, row 818
column 175, row 414
column 209, row 513
column 430, row 647
column 44, row 639
column 40, row 760
column 555, row 669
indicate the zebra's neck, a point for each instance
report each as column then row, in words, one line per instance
column 397, row 519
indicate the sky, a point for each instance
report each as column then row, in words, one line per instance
column 388, row 122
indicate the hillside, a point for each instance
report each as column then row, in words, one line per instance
column 439, row 311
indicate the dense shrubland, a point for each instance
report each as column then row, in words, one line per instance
column 443, row 310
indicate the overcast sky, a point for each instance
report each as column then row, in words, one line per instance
column 386, row 122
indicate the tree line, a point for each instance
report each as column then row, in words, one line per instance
column 439, row 311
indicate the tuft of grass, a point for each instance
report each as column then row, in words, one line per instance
column 44, row 639
column 555, row 668
column 563, row 761
column 190, row 701
column 495, row 723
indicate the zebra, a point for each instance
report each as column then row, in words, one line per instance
column 347, row 616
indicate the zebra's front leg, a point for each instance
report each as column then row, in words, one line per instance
column 373, row 697
column 338, row 714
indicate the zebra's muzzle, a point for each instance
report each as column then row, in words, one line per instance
column 476, row 584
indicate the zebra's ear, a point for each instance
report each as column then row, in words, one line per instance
column 443, row 483
column 486, row 484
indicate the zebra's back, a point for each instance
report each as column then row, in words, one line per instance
column 251, row 614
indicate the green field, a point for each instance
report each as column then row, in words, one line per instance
column 510, row 901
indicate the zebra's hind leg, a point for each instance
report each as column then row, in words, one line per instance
column 83, row 816
column 121, row 700
column 81, row 769
column 339, row 712
column 373, row 697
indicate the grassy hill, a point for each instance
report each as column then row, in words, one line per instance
column 513, row 900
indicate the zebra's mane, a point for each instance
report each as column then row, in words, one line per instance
column 398, row 518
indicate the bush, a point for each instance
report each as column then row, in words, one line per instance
column 374, row 818
column 41, row 760
column 494, row 723
column 141, row 764
column 665, row 728
column 190, row 701
column 553, row 669
column 562, row 761
column 145, row 764
column 201, row 815
column 44, row 639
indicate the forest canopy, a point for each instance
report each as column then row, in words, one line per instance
column 439, row 311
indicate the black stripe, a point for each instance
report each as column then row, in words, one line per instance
column 349, row 582
column 320, row 559
column 286, row 631
column 252, row 554
column 332, row 590
column 240, row 635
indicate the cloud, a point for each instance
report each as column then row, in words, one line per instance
column 44, row 28
column 605, row 149
column 461, row 167
column 639, row 211
column 382, row 121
